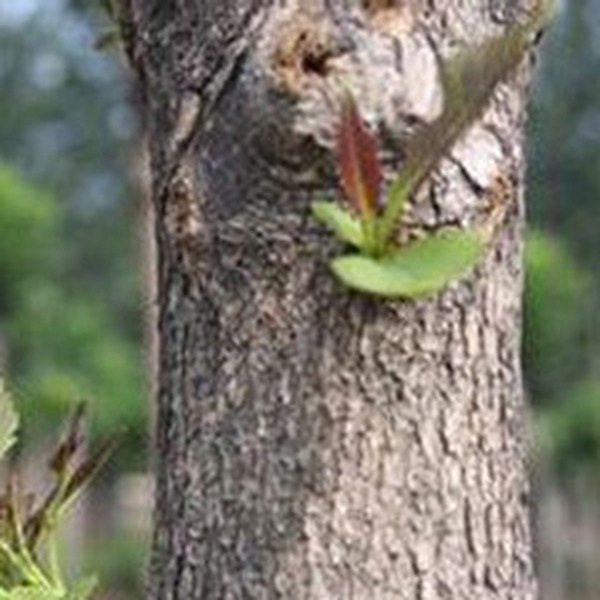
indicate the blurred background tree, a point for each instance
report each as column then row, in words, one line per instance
column 70, row 292
column 71, row 295
column 73, row 321
column 562, row 323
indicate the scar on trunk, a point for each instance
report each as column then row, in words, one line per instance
column 182, row 216
column 305, row 46
column 394, row 17
column 302, row 52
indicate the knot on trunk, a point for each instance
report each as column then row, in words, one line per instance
column 288, row 92
column 305, row 60
column 304, row 50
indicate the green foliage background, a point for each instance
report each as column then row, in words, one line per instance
column 69, row 296
column 70, row 303
column 562, row 323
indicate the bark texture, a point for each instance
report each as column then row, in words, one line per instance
column 313, row 443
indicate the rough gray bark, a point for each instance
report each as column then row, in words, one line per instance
column 314, row 443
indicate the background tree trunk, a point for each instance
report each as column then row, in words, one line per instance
column 314, row 443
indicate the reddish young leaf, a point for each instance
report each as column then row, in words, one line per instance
column 71, row 442
column 88, row 469
column 360, row 171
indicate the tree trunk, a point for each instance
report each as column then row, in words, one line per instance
column 315, row 443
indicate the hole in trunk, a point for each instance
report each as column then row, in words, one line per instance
column 315, row 62
column 302, row 52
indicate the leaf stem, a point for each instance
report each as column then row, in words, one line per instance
column 54, row 563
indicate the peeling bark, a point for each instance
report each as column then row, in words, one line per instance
column 314, row 443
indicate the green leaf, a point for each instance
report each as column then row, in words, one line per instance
column 345, row 226
column 82, row 590
column 420, row 268
column 397, row 197
column 31, row 593
column 9, row 421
